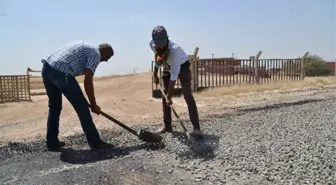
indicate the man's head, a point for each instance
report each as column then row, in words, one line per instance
column 160, row 37
column 106, row 51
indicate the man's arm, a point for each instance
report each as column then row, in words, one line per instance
column 88, row 84
column 156, row 68
column 174, row 72
column 91, row 66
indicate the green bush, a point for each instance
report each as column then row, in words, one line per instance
column 316, row 66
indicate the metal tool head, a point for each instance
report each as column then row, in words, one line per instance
column 150, row 137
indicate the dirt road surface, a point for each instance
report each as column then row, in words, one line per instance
column 255, row 138
column 286, row 143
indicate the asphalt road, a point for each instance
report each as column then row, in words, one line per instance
column 278, row 144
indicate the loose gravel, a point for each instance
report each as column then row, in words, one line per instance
column 292, row 144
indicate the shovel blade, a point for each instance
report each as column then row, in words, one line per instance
column 150, row 137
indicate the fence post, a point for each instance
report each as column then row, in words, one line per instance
column 194, row 70
column 302, row 74
column 256, row 67
column 152, row 79
column 28, row 83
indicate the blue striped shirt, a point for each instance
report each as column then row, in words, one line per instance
column 74, row 58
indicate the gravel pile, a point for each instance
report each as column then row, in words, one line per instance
column 278, row 145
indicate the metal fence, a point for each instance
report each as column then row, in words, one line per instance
column 14, row 88
column 214, row 73
column 208, row 73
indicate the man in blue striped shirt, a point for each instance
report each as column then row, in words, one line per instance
column 59, row 71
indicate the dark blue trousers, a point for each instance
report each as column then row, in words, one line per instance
column 57, row 83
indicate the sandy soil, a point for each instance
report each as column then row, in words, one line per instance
column 125, row 98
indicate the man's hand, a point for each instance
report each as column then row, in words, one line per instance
column 95, row 109
column 169, row 101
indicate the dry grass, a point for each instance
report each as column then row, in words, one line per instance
column 308, row 82
column 37, row 83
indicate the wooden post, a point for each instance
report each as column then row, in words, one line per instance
column 1, row 91
column 17, row 88
column 335, row 67
column 302, row 72
column 256, row 67
column 194, row 70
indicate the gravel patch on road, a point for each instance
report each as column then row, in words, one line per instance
column 283, row 144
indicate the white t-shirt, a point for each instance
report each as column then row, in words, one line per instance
column 176, row 58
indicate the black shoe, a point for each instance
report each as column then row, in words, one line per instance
column 55, row 147
column 101, row 146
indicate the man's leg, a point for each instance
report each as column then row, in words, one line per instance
column 55, row 107
column 167, row 118
column 74, row 94
column 185, row 79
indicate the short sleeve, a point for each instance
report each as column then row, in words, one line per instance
column 175, row 64
column 174, row 70
column 92, row 62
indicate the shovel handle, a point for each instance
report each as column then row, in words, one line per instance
column 118, row 122
column 174, row 111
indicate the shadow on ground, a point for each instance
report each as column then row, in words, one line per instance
column 201, row 147
column 81, row 156
column 74, row 153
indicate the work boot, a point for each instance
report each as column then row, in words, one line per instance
column 196, row 133
column 164, row 129
column 55, row 147
column 101, row 146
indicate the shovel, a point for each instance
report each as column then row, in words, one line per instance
column 143, row 135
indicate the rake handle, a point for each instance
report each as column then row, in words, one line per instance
column 172, row 107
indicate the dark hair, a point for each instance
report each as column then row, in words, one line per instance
column 106, row 47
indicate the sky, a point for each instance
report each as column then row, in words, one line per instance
column 30, row 30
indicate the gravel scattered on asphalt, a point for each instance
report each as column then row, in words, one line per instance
column 292, row 144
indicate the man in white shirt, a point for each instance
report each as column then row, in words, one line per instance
column 176, row 65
